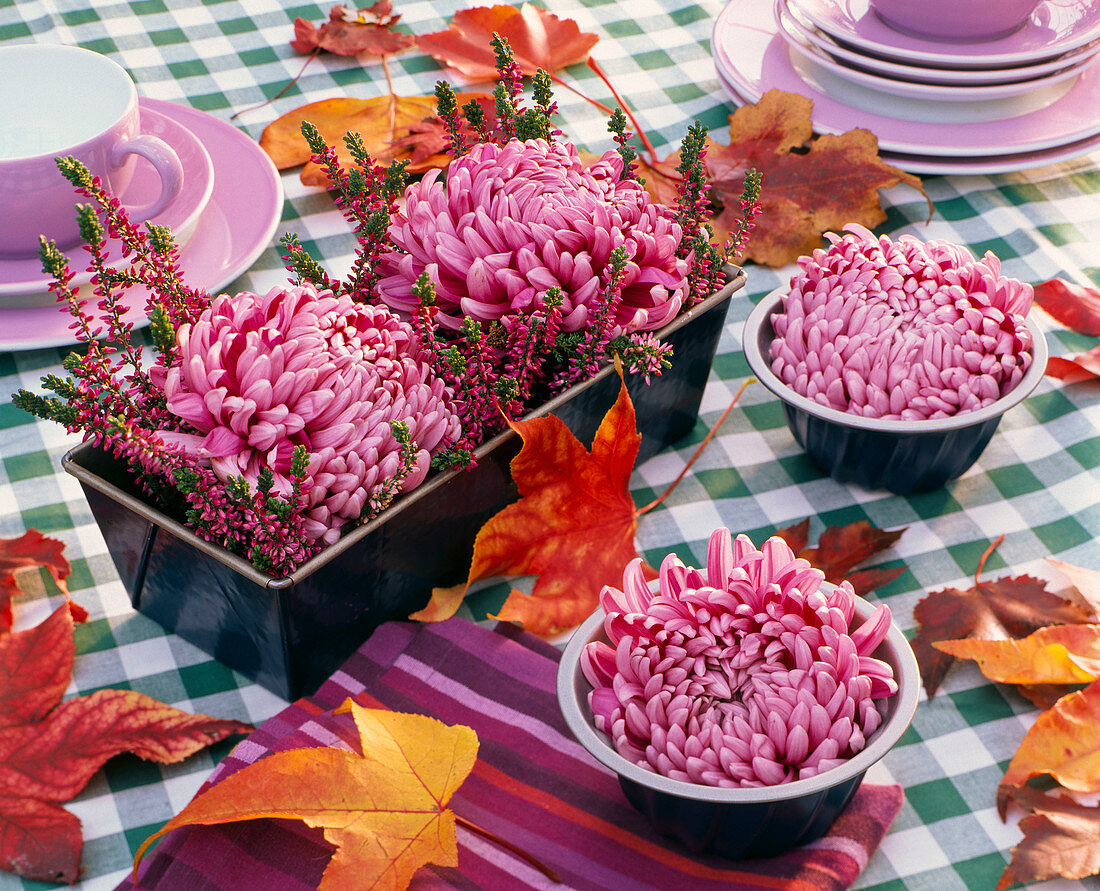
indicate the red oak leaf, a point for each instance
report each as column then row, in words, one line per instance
column 1084, row 367
column 811, row 184
column 49, row 751
column 573, row 526
column 842, row 548
column 538, row 39
column 349, row 32
column 29, row 551
column 1075, row 306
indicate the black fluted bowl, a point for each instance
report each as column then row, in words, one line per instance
column 741, row 822
column 877, row 453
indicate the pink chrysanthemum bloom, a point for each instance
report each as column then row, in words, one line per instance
column 901, row 329
column 747, row 675
column 509, row 222
column 261, row 375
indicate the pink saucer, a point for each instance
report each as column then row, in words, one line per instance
column 22, row 282
column 236, row 226
column 980, row 165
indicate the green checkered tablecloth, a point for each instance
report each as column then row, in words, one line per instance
column 1038, row 482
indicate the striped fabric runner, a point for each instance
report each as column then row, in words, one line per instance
column 533, row 785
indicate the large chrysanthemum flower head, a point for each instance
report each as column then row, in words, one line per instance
column 504, row 224
column 901, row 329
column 747, row 674
column 259, row 375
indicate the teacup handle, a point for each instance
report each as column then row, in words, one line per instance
column 167, row 164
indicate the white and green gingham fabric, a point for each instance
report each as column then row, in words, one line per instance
column 1038, row 482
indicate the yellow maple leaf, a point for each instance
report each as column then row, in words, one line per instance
column 384, row 810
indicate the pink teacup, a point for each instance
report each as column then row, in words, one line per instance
column 64, row 100
column 955, row 20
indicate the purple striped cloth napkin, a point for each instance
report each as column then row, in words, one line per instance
column 533, row 785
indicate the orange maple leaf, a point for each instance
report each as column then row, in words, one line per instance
column 811, row 185
column 538, row 39
column 1057, row 654
column 573, row 526
column 49, row 751
column 392, row 127
column 383, row 808
column 1064, row 742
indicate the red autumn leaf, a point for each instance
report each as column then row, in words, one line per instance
column 810, row 184
column 31, row 685
column 29, row 551
column 349, row 32
column 1075, row 306
column 1061, row 838
column 49, row 751
column 427, row 140
column 842, row 548
column 1005, row 608
column 538, row 39
column 573, row 526
column 1084, row 367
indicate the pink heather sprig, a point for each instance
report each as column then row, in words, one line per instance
column 644, row 354
column 529, row 344
column 480, row 405
column 616, row 126
column 592, row 346
column 156, row 270
column 742, row 674
column 367, row 196
column 750, row 210
column 507, row 93
column 447, row 105
column 901, row 329
column 110, row 305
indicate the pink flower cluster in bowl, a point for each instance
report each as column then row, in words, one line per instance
column 748, row 674
column 505, row 223
column 901, row 329
column 259, row 375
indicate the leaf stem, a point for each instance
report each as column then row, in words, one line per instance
column 297, row 76
column 564, row 83
column 519, row 852
column 641, row 134
column 386, row 69
column 698, row 451
column 981, row 560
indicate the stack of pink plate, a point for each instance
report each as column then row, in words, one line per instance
column 1024, row 100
